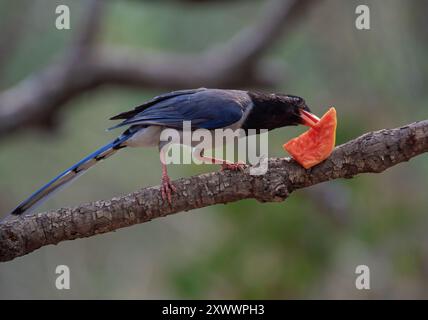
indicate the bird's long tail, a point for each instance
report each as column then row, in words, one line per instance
column 69, row 175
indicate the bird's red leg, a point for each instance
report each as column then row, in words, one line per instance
column 233, row 166
column 167, row 187
column 225, row 164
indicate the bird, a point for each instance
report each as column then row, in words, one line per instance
column 206, row 109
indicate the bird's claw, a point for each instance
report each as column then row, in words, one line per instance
column 237, row 166
column 167, row 188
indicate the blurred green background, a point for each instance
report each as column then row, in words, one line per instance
column 305, row 247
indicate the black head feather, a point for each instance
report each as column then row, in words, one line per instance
column 271, row 111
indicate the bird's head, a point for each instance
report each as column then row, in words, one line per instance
column 295, row 110
column 277, row 110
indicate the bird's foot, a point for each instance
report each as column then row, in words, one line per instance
column 167, row 188
column 237, row 166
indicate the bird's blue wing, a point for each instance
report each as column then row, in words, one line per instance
column 151, row 102
column 208, row 109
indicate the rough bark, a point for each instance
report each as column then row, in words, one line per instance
column 372, row 152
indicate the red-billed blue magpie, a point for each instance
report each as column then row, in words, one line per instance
column 205, row 108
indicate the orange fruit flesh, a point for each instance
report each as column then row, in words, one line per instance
column 316, row 144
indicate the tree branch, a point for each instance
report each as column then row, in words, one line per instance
column 36, row 101
column 372, row 152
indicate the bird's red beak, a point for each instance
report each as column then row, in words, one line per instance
column 309, row 119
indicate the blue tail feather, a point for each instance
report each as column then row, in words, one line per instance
column 69, row 175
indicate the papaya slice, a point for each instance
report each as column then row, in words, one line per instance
column 316, row 144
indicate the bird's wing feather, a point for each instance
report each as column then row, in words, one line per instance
column 157, row 99
column 208, row 109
